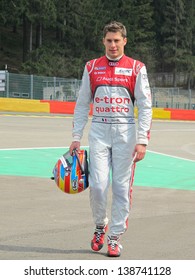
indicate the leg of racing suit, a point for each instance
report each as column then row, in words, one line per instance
column 114, row 150
column 122, row 156
column 99, row 181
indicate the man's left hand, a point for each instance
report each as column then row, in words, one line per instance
column 139, row 152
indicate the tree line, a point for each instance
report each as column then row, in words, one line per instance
column 59, row 36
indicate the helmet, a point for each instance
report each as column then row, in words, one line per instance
column 71, row 172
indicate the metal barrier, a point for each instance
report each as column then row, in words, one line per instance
column 39, row 87
column 173, row 98
column 53, row 88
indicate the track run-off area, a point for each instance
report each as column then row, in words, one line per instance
column 161, row 167
column 156, row 170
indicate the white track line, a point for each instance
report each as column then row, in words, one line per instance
column 45, row 148
column 170, row 156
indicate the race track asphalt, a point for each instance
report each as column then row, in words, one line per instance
column 39, row 222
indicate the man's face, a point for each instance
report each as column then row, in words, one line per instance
column 114, row 44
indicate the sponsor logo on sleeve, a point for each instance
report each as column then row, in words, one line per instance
column 100, row 68
column 99, row 72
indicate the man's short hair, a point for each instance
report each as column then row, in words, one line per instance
column 115, row 26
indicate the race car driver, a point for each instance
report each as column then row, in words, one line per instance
column 113, row 83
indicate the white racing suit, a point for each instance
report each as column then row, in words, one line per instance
column 113, row 86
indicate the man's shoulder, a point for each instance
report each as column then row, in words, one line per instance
column 135, row 64
column 96, row 61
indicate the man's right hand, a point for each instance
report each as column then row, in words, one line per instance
column 73, row 146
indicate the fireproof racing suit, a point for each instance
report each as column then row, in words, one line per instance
column 113, row 87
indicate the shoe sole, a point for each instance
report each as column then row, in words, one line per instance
column 113, row 256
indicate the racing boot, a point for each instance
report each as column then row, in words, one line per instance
column 114, row 246
column 98, row 240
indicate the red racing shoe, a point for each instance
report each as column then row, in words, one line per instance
column 98, row 240
column 114, row 246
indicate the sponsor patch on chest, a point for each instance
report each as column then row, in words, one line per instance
column 123, row 71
